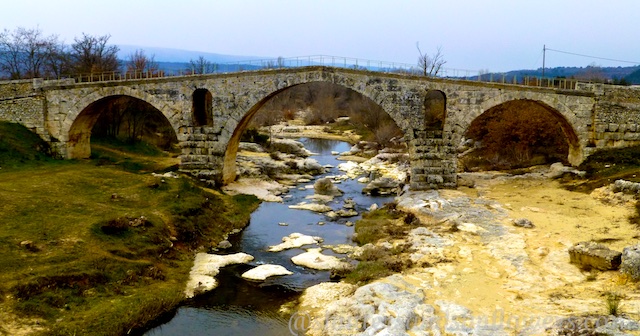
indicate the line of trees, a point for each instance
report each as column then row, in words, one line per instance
column 29, row 53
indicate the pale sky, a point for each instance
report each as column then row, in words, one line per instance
column 494, row 35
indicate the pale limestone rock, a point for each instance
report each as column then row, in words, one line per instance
column 311, row 207
column 262, row 272
column 314, row 259
column 265, row 190
column 294, row 240
column 206, row 267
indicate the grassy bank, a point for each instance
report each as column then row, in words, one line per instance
column 101, row 247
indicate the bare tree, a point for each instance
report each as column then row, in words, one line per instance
column 24, row 52
column 138, row 62
column 202, row 66
column 430, row 65
column 92, row 54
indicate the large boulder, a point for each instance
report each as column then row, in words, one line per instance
column 289, row 146
column 324, row 186
column 631, row 261
column 588, row 255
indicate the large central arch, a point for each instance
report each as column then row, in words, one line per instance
column 230, row 155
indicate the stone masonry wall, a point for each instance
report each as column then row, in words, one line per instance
column 616, row 117
column 21, row 103
column 598, row 116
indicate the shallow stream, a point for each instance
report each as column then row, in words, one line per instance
column 241, row 307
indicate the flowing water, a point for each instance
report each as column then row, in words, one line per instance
column 240, row 307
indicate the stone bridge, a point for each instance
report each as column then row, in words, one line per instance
column 209, row 112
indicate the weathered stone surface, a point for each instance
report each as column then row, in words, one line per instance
column 54, row 108
column 589, row 255
column 311, row 207
column 324, row 186
column 206, row 267
column 294, row 240
column 524, row 223
column 262, row 272
column 630, row 263
column 314, row 259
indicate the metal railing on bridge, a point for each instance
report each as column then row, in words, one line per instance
column 337, row 62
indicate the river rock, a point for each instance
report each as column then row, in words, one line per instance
column 289, row 146
column 618, row 326
column 390, row 306
column 206, row 267
column 262, row 272
column 322, row 294
column 557, row 170
column 630, row 263
column 523, row 223
column 265, row 190
column 382, row 186
column 311, row 207
column 295, row 240
column 342, row 213
column 314, row 259
column 250, row 147
column 588, row 255
column 324, row 186
column 225, row 244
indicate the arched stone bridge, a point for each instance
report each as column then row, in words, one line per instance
column 209, row 112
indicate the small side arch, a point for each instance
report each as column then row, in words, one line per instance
column 435, row 112
column 202, row 108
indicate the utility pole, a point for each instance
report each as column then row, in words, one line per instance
column 544, row 54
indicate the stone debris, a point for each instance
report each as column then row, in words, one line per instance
column 262, row 272
column 206, row 267
column 523, row 223
column 295, row 240
column 630, row 261
column 588, row 255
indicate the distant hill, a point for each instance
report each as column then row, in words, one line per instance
column 630, row 74
column 169, row 55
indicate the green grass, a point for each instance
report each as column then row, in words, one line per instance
column 20, row 147
column 605, row 166
column 85, row 270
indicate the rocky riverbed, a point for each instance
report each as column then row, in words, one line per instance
column 486, row 276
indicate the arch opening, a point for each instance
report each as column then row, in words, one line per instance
column 435, row 112
column 314, row 103
column 119, row 118
column 202, row 108
column 517, row 134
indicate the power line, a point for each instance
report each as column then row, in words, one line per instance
column 595, row 57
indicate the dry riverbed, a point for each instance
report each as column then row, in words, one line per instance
column 493, row 278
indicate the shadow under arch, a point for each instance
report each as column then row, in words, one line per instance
column 79, row 139
column 230, row 155
column 575, row 154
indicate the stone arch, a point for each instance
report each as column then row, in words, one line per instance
column 435, row 112
column 229, row 161
column 202, row 108
column 76, row 141
column 575, row 156
column 78, row 145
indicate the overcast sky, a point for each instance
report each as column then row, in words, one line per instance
column 496, row 35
